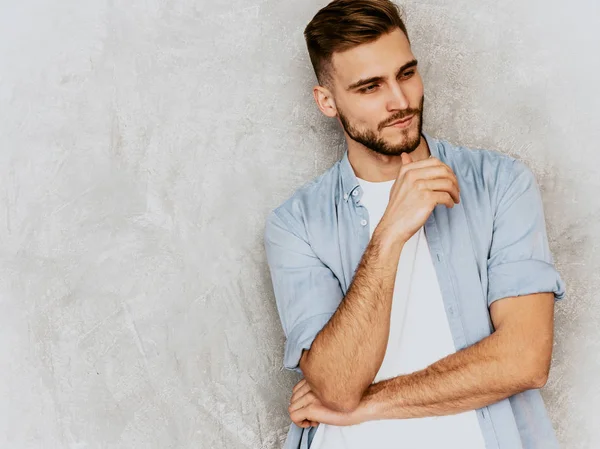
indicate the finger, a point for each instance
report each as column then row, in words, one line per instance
column 301, row 416
column 298, row 385
column 300, row 392
column 441, row 185
column 319, row 414
column 443, row 198
column 435, row 172
column 429, row 162
column 305, row 400
column 302, row 423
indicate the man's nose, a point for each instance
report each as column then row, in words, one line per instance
column 397, row 99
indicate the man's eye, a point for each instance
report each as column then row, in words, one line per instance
column 410, row 73
column 368, row 88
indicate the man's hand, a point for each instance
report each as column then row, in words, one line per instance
column 307, row 410
column 419, row 187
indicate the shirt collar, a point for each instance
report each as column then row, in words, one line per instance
column 350, row 183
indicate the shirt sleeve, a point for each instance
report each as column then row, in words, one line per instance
column 307, row 292
column 520, row 261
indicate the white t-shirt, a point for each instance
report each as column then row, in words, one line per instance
column 419, row 336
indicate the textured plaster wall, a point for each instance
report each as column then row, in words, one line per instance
column 142, row 144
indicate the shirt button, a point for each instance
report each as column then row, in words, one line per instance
column 345, row 196
column 355, row 193
column 363, row 222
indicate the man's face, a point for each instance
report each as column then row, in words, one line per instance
column 375, row 85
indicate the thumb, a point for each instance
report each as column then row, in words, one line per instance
column 406, row 158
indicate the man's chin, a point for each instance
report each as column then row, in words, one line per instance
column 401, row 139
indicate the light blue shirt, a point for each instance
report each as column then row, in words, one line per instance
column 491, row 245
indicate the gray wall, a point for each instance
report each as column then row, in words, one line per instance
column 142, row 145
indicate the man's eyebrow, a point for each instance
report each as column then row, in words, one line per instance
column 377, row 79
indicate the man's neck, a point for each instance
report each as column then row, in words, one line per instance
column 375, row 167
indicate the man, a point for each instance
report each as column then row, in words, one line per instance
column 413, row 279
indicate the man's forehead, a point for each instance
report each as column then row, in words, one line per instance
column 386, row 54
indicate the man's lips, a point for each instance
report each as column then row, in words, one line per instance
column 402, row 121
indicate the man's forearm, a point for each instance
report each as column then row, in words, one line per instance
column 472, row 378
column 346, row 355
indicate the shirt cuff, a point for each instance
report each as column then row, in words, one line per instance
column 301, row 337
column 523, row 277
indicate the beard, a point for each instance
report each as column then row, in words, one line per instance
column 376, row 143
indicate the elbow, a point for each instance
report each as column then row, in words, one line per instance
column 344, row 404
column 345, row 401
column 338, row 400
column 539, row 379
column 332, row 395
column 536, row 376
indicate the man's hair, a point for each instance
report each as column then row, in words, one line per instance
column 345, row 24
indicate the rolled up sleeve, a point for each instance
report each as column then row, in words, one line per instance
column 520, row 261
column 307, row 293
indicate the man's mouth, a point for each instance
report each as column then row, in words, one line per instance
column 402, row 123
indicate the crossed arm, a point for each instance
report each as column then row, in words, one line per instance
column 514, row 358
column 340, row 363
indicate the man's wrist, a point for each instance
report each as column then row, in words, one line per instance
column 387, row 241
column 366, row 410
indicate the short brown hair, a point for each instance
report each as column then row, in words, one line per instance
column 345, row 24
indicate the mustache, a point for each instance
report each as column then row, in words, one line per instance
column 400, row 116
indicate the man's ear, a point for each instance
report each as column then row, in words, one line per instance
column 325, row 100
